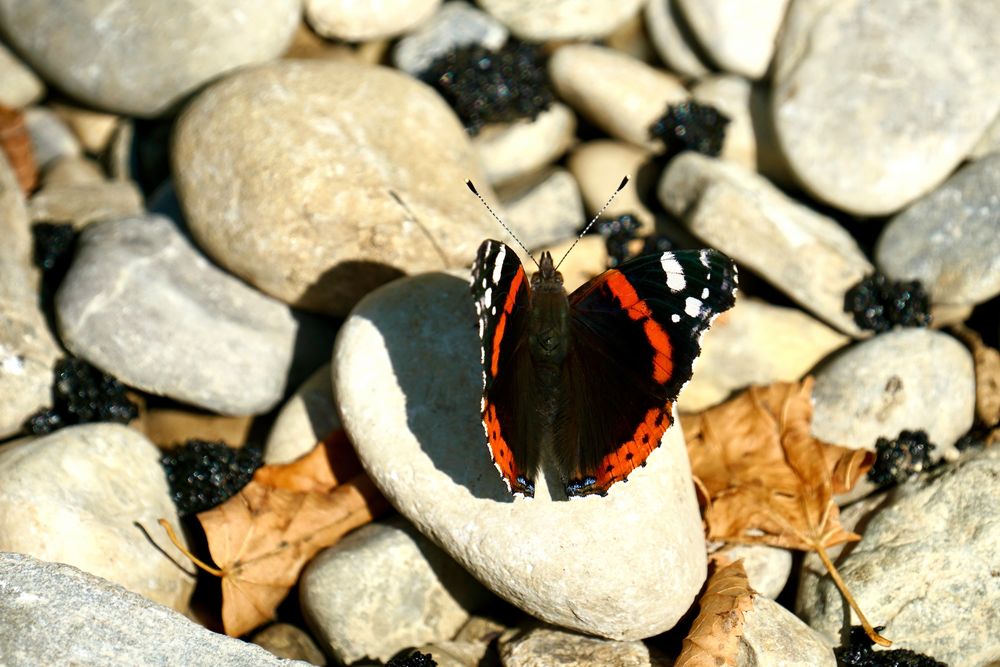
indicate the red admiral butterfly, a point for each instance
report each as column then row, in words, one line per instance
column 590, row 378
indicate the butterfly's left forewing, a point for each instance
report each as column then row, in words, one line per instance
column 635, row 335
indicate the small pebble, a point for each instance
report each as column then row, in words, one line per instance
column 309, row 416
column 363, row 21
column 598, row 167
column 85, row 203
column 51, row 138
column 539, row 645
column 562, row 19
column 548, row 211
column 19, row 86
column 673, row 39
column 515, row 150
column 738, row 36
column 455, row 24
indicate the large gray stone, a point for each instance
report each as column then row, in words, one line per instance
column 950, row 239
column 806, row 255
column 142, row 304
column 926, row 566
column 408, row 381
column 318, row 181
column 143, row 56
column 383, row 588
column 54, row 614
column 90, row 496
column 905, row 379
column 876, row 103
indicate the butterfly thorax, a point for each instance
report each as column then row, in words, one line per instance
column 548, row 322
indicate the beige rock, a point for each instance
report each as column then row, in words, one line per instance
column 767, row 567
column 290, row 642
column 547, row 212
column 51, row 138
column 731, row 95
column 72, row 170
column 599, row 166
column 739, row 36
column 673, row 40
column 308, row 417
column 84, row 203
column 562, row 19
column 94, row 129
column 541, row 646
column 774, row 637
column 510, row 151
column 19, row 86
column 365, row 21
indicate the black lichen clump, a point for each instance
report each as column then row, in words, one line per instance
column 486, row 86
column 204, row 474
column 858, row 653
column 690, row 126
column 896, row 460
column 81, row 394
column 415, row 659
column 878, row 303
column 617, row 233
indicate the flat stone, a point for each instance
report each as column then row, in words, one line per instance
column 904, row 379
column 51, row 138
column 308, row 416
column 562, row 19
column 950, row 239
column 72, row 170
column 454, row 25
column 732, row 95
column 756, row 343
column 851, row 97
column 673, row 40
column 142, row 57
column 514, row 150
column 621, row 95
column 287, row 175
column 925, row 568
column 408, row 383
column 365, row 21
column 75, row 497
column 599, row 166
column 547, row 212
column 54, row 614
column 85, row 203
column 290, row 642
column 738, row 36
column 19, row 86
column 541, row 646
column 775, row 637
column 767, row 567
column 140, row 303
column 384, row 588
column 808, row 256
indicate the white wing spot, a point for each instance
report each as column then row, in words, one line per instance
column 484, row 282
column 703, row 256
column 675, row 318
column 498, row 264
column 493, row 310
column 692, row 306
column 488, row 297
column 675, row 274
column 704, row 293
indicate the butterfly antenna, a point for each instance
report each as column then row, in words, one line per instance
column 493, row 213
column 621, row 186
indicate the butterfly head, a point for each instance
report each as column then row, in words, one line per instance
column 547, row 278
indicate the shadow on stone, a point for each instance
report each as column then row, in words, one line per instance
column 341, row 286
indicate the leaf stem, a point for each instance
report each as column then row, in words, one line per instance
column 194, row 559
column 869, row 630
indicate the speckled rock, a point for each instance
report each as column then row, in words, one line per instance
column 926, row 566
column 84, row 203
column 287, row 175
column 383, row 588
column 19, row 86
column 510, row 151
column 905, row 379
column 599, row 166
column 51, row 138
column 420, row 437
column 562, row 19
column 756, row 343
column 731, row 95
column 548, row 211
column 27, row 349
column 807, row 255
column 620, row 94
column 364, row 21
column 75, row 497
column 767, row 567
column 140, row 303
column 141, row 57
column 672, row 38
column 308, row 417
column 54, row 614
column 541, row 646
column 895, row 147
column 290, row 642
column 738, row 36
column 454, row 25
column 774, row 637
column 950, row 239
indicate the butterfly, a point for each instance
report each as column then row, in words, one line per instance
column 589, row 377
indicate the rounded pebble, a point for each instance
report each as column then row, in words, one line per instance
column 408, row 381
column 547, row 212
column 673, row 40
column 308, row 417
column 950, row 239
column 562, row 19
column 317, row 181
column 81, row 204
column 767, row 568
column 51, row 138
column 620, row 94
column 19, row 86
column 454, row 25
column 140, row 303
column 72, row 170
column 365, row 21
column 852, row 100
column 141, row 57
column 76, row 496
column 907, row 379
column 739, row 36
column 508, row 152
column 599, row 166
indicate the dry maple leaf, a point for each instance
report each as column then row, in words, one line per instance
column 714, row 638
column 262, row 537
column 15, row 144
column 986, row 360
column 767, row 480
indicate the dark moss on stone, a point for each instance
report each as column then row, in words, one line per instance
column 204, row 474
column 896, row 460
column 82, row 394
column 878, row 304
column 690, row 126
column 858, row 652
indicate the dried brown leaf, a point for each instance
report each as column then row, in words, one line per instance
column 714, row 638
column 15, row 142
column 986, row 360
